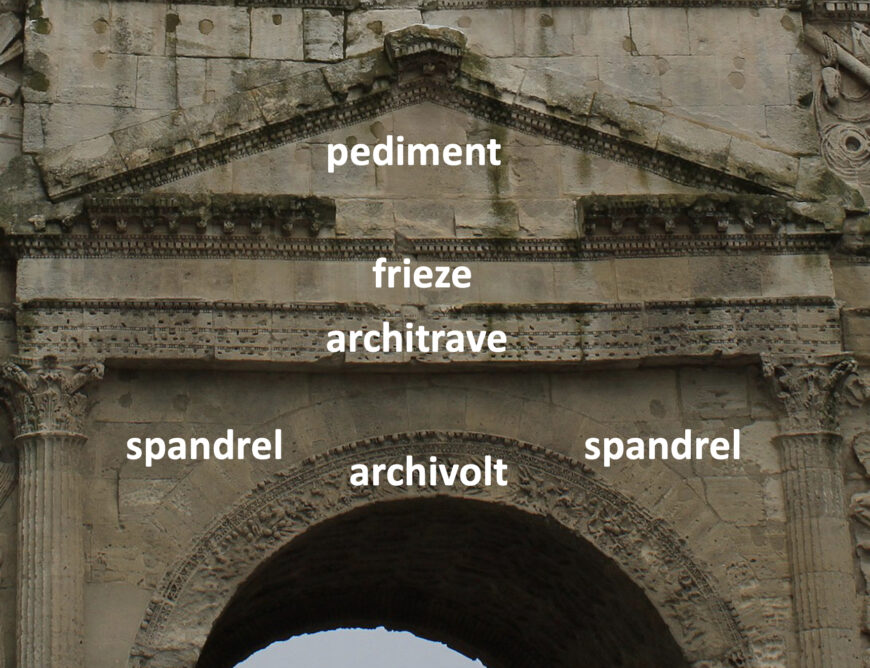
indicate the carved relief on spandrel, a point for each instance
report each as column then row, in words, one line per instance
column 842, row 102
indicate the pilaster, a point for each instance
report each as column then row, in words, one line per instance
column 47, row 407
column 811, row 391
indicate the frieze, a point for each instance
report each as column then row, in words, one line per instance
column 200, row 584
column 536, row 333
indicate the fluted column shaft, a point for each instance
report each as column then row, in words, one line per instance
column 50, row 554
column 47, row 406
column 817, row 529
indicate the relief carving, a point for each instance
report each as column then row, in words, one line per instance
column 46, row 396
column 842, row 103
column 198, row 586
column 812, row 390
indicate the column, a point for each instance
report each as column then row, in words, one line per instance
column 811, row 392
column 47, row 406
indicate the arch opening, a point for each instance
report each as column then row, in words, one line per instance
column 491, row 581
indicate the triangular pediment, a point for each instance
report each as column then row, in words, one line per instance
column 421, row 65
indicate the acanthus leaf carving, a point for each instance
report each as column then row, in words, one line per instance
column 811, row 390
column 47, row 396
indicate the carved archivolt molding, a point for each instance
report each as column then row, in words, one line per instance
column 46, row 396
column 194, row 592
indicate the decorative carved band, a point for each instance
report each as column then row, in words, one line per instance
column 173, row 213
column 297, row 333
column 477, row 249
column 201, row 583
column 694, row 213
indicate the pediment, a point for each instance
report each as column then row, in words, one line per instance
column 421, row 68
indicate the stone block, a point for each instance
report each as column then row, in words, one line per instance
column 544, row 31
column 714, row 393
column 646, row 279
column 348, row 181
column 214, row 31
column 153, row 140
column 694, row 142
column 547, row 219
column 138, row 27
column 95, row 78
column 323, row 34
column 735, row 32
column 227, row 76
column 792, row 128
column 736, row 500
column 600, row 31
column 287, row 99
column 276, row 33
column 286, row 169
column 368, row 218
column 68, row 25
column 562, row 93
column 529, row 172
column 754, row 80
column 483, row 218
column 724, row 276
column 366, row 29
column 33, row 136
column 634, row 77
column 227, row 117
column 615, row 116
column 659, row 31
column 190, row 81
column 691, row 81
column 586, row 174
column 762, row 165
column 584, row 281
column 490, row 32
column 423, row 218
column 156, row 83
column 66, row 124
column 78, row 164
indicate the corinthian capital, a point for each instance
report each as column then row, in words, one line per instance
column 46, row 395
column 812, row 390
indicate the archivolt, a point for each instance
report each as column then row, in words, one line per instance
column 193, row 594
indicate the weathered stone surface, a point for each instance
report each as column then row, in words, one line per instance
column 667, row 226
column 276, row 33
column 212, row 31
column 323, row 34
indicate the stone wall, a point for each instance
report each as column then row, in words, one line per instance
column 676, row 238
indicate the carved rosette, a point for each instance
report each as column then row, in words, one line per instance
column 46, row 397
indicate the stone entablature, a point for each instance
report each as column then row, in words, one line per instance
column 563, row 333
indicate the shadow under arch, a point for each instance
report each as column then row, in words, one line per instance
column 579, row 548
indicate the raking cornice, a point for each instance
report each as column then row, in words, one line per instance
column 419, row 64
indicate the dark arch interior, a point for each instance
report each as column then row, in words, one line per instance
column 513, row 589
